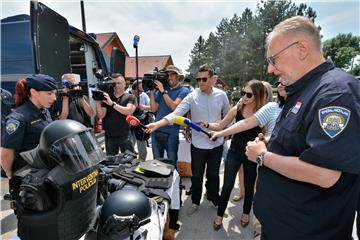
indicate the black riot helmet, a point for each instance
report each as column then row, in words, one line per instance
column 123, row 212
column 69, row 144
column 7, row 103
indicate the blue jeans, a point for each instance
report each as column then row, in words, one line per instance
column 170, row 145
column 141, row 147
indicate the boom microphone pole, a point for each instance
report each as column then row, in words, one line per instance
column 135, row 45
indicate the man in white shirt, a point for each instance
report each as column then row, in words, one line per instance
column 208, row 104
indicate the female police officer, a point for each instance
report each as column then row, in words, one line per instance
column 24, row 125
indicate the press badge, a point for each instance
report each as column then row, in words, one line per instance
column 333, row 120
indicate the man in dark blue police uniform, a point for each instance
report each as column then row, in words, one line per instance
column 308, row 184
column 23, row 126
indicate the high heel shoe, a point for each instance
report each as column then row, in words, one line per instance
column 244, row 222
column 238, row 196
column 217, row 226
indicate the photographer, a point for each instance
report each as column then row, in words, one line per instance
column 164, row 101
column 114, row 109
column 74, row 105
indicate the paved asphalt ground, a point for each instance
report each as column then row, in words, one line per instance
column 198, row 226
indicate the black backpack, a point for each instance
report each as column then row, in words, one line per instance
column 145, row 118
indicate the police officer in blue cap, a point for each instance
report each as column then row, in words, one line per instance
column 33, row 96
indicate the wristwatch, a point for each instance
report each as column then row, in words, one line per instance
column 260, row 159
column 164, row 92
column 113, row 104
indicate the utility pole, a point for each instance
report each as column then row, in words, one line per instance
column 83, row 15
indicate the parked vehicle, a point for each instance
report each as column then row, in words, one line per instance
column 44, row 42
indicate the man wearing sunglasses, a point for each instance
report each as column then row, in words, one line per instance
column 208, row 104
column 308, row 183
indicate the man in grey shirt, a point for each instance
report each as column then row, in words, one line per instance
column 208, row 104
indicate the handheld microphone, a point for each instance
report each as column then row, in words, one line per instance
column 134, row 122
column 182, row 121
column 196, row 127
column 179, row 120
column 65, row 83
column 136, row 41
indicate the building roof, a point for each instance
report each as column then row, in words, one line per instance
column 146, row 64
column 105, row 39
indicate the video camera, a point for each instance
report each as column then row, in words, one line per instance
column 148, row 79
column 72, row 90
column 104, row 84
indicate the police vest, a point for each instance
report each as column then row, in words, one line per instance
column 73, row 205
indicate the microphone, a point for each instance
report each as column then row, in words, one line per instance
column 65, row 83
column 134, row 122
column 196, row 127
column 136, row 41
column 178, row 120
column 182, row 121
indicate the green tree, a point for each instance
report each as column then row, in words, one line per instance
column 238, row 45
column 212, row 50
column 197, row 56
column 342, row 49
column 356, row 70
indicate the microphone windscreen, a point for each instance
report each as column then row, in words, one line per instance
column 132, row 121
column 136, row 41
column 179, row 120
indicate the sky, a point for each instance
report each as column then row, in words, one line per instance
column 172, row 27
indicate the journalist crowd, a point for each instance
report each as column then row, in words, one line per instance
column 295, row 154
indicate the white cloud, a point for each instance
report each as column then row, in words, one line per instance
column 172, row 27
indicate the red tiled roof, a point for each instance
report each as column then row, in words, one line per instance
column 104, row 38
column 146, row 64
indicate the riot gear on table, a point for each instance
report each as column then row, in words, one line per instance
column 123, row 212
column 58, row 190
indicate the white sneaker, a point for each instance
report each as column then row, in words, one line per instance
column 192, row 209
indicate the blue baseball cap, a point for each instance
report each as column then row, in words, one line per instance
column 41, row 82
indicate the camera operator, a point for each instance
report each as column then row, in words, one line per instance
column 75, row 107
column 114, row 109
column 164, row 101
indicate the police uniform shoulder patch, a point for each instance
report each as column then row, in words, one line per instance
column 12, row 125
column 333, row 120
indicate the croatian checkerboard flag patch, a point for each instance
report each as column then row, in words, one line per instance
column 333, row 120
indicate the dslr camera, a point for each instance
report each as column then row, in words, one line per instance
column 104, row 84
column 148, row 79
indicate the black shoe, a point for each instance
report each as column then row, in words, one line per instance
column 187, row 193
column 176, row 227
column 207, row 196
column 215, row 203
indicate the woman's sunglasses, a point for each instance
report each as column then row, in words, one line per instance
column 248, row 94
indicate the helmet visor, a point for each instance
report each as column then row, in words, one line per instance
column 77, row 153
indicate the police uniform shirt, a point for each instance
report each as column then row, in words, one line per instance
column 23, row 128
column 320, row 123
column 114, row 122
